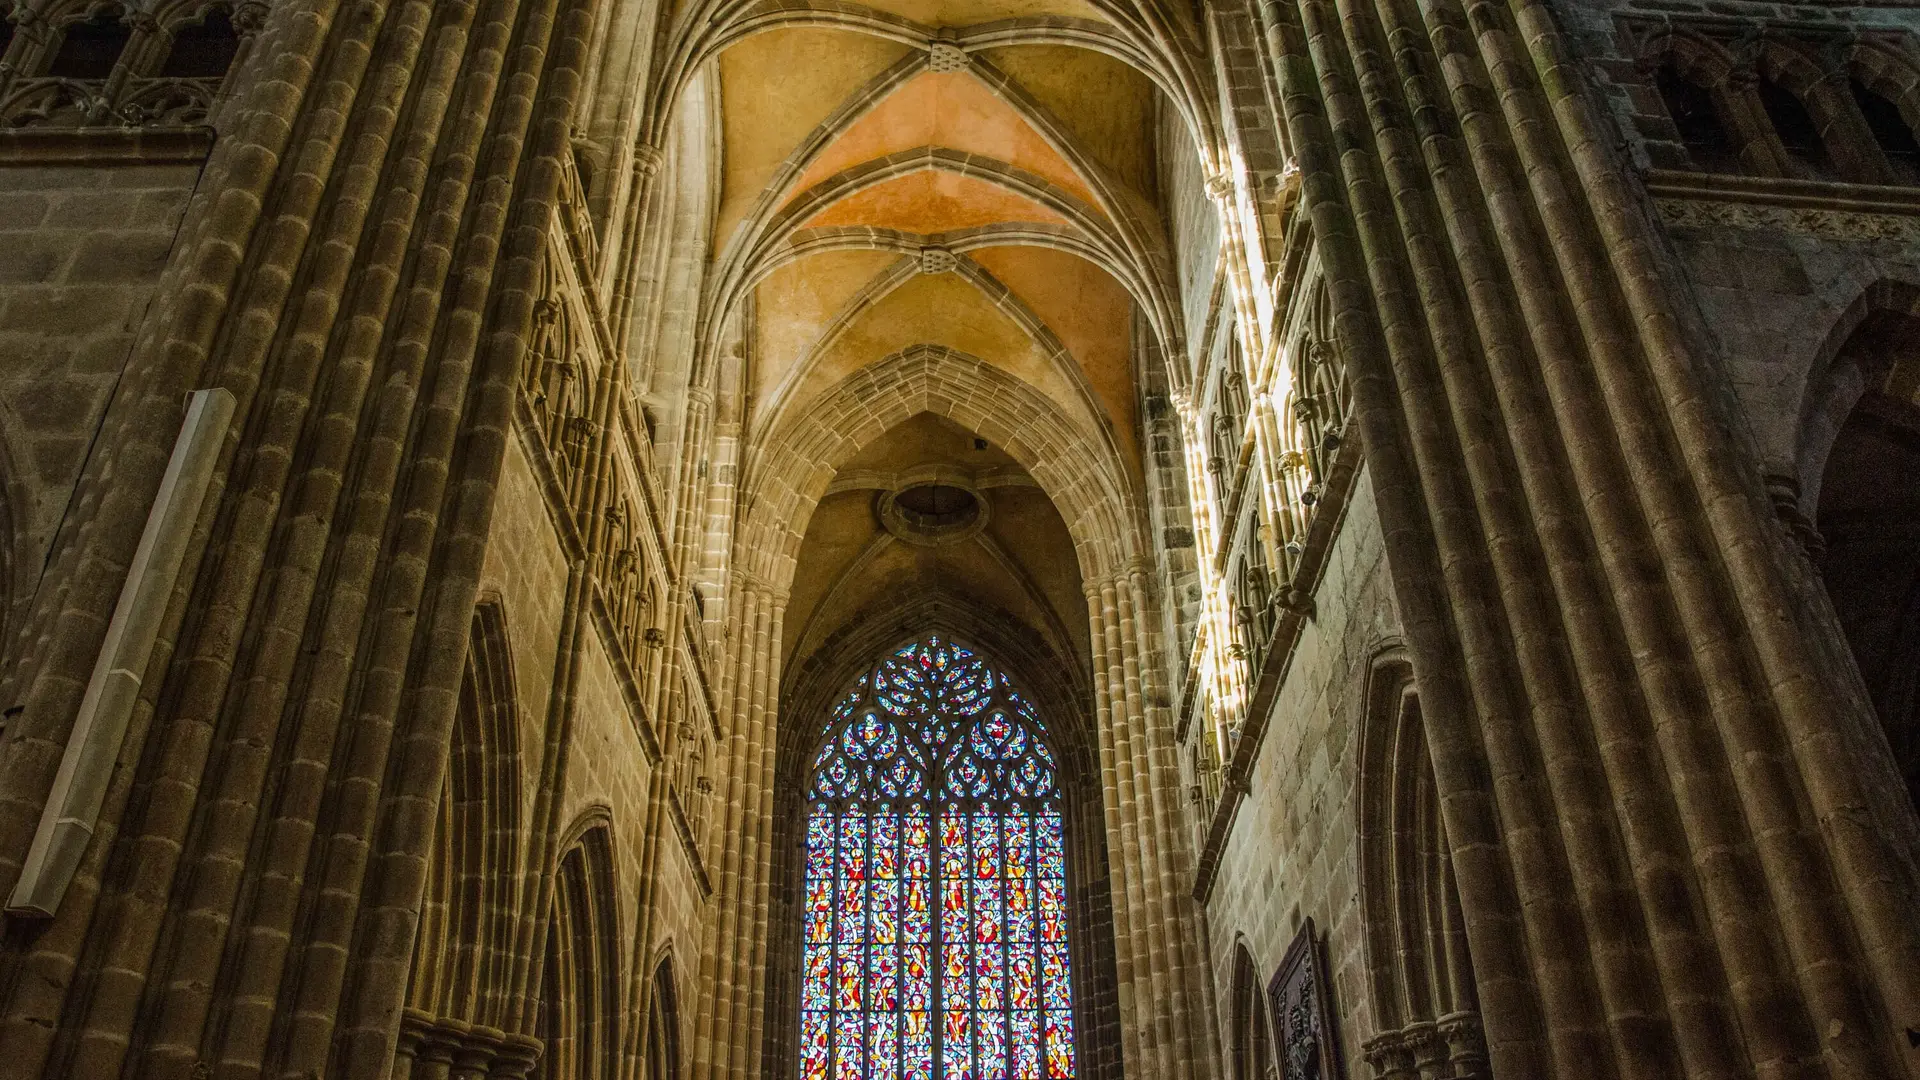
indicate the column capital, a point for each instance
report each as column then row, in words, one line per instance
column 1390, row 1055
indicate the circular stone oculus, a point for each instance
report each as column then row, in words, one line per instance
column 933, row 512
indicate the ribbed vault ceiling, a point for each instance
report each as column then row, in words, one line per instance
column 973, row 175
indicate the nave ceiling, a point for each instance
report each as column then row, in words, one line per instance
column 961, row 178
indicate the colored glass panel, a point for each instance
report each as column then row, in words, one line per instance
column 916, row 923
column 814, row 1055
column 883, row 911
column 986, row 845
column 954, row 984
column 820, row 910
column 916, row 979
column 883, row 986
column 817, row 987
column 1019, row 845
column 957, row 1044
column 990, row 1041
column 1021, row 984
column 1059, row 1044
column 935, row 915
column 987, row 925
column 849, row 1051
column 1024, row 1035
column 883, row 1046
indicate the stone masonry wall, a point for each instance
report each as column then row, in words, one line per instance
column 1292, row 853
column 527, row 570
column 1771, row 281
column 81, row 249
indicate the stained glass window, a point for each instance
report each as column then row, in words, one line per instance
column 935, row 905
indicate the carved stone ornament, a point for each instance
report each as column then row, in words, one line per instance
column 944, row 57
column 1824, row 223
column 1302, row 1021
column 937, row 260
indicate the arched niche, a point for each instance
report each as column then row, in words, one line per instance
column 663, row 1025
column 1419, row 974
column 1251, row 1052
column 579, row 1016
column 460, row 975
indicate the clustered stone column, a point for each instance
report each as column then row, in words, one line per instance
column 1160, row 958
column 357, row 269
column 1680, row 842
column 733, row 950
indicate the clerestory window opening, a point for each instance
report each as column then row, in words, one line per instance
column 935, row 907
column 1890, row 130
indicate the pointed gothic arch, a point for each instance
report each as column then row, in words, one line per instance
column 663, row 1024
column 1051, row 715
column 460, row 974
column 1251, row 1040
column 1419, row 974
column 1859, row 480
column 579, row 1014
column 1079, row 470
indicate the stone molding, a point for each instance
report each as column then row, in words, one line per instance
column 1834, row 211
column 104, row 146
column 1826, row 224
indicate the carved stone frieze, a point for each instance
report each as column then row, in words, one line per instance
column 1826, row 223
column 138, row 103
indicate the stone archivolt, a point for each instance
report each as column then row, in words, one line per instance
column 615, row 381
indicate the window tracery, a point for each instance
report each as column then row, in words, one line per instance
column 935, row 907
column 119, row 65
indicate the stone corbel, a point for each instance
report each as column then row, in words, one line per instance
column 1300, row 602
column 647, row 161
column 1784, row 492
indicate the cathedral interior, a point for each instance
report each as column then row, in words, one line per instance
column 960, row 539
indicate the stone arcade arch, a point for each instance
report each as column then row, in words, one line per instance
column 1094, row 495
column 1860, row 474
column 663, row 1025
column 579, row 996
column 463, row 950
